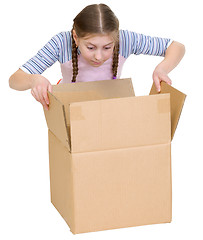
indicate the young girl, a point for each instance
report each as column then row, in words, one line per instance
column 95, row 49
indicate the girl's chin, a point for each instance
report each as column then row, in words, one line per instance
column 96, row 64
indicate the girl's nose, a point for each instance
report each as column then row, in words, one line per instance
column 98, row 55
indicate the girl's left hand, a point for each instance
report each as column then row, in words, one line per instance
column 160, row 75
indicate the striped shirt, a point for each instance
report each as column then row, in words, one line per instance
column 59, row 48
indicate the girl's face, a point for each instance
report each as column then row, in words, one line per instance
column 96, row 49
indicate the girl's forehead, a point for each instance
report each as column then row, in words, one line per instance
column 99, row 38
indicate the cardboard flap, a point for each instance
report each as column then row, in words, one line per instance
column 120, row 123
column 56, row 120
column 85, row 91
column 75, row 96
column 105, row 88
column 177, row 102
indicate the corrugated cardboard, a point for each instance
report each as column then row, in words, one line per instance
column 110, row 157
column 177, row 101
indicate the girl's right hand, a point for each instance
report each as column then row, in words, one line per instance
column 39, row 87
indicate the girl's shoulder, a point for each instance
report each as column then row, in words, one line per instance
column 127, row 42
column 126, row 33
column 62, row 37
column 62, row 43
column 129, row 36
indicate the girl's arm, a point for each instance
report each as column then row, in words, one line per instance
column 45, row 58
column 173, row 56
column 38, row 84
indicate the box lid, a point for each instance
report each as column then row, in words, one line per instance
column 106, row 88
column 58, row 116
column 120, row 123
column 177, row 99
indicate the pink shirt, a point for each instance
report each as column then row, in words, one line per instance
column 102, row 72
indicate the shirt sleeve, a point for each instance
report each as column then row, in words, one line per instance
column 135, row 43
column 53, row 51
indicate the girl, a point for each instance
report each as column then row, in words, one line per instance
column 95, row 49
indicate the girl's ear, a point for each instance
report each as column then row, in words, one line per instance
column 75, row 38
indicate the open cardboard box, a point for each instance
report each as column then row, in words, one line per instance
column 110, row 154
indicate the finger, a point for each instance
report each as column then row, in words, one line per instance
column 39, row 97
column 43, row 102
column 157, row 84
column 45, row 97
column 38, row 92
column 50, row 88
column 34, row 95
column 167, row 80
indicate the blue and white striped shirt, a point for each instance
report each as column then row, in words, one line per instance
column 59, row 48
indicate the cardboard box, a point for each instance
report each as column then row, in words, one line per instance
column 110, row 154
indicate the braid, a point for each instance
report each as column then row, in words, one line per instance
column 115, row 60
column 74, row 59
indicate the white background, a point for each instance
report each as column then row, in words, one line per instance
column 25, row 208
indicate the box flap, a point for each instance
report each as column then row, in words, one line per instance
column 95, row 90
column 120, row 123
column 177, row 102
column 56, row 120
column 75, row 96
column 64, row 94
column 106, row 88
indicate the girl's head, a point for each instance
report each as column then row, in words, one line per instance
column 96, row 33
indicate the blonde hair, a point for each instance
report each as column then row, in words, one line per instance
column 95, row 19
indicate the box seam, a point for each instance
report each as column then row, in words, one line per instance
column 112, row 149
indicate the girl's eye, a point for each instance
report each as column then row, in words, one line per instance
column 107, row 48
column 90, row 48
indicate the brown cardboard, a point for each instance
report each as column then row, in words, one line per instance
column 177, row 102
column 64, row 94
column 105, row 124
column 110, row 160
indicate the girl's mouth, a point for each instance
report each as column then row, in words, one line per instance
column 96, row 63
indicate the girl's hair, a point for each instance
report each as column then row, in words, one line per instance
column 95, row 19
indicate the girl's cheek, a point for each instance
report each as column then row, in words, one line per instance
column 109, row 54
